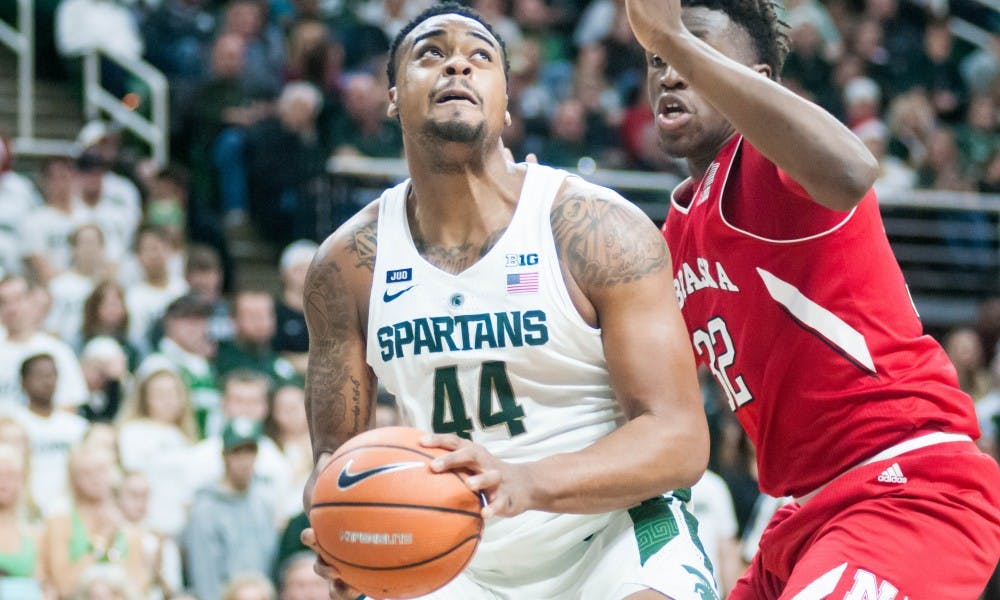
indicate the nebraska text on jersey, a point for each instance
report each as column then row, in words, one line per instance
column 708, row 275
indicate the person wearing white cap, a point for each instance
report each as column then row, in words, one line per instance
column 103, row 139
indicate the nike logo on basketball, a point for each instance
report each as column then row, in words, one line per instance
column 348, row 479
column 387, row 297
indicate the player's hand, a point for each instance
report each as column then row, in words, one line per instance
column 654, row 21
column 508, row 487
column 338, row 587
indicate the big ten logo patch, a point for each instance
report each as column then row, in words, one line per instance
column 521, row 260
column 867, row 587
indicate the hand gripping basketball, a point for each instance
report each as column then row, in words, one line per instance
column 384, row 522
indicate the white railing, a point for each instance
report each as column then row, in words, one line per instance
column 947, row 281
column 21, row 40
column 154, row 130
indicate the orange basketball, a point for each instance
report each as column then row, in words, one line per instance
column 393, row 528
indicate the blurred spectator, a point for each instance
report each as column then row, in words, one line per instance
column 496, row 13
column 51, row 432
column 104, row 141
column 911, row 121
column 938, row 65
column 390, row 15
column 231, row 526
column 155, row 437
column 862, row 101
column 163, row 557
column 287, row 427
column 988, row 413
column 895, row 177
column 807, row 69
column 93, row 204
column 249, row 586
column 363, row 128
column 93, row 531
column 979, row 136
column 105, row 368
column 712, row 505
column 187, row 348
column 19, row 199
column 245, row 395
column 226, row 103
column 176, row 35
column 314, row 56
column 147, row 299
column 291, row 339
column 106, row 582
column 284, row 155
column 566, row 142
column 595, row 22
column 250, row 348
column 965, row 350
column 71, row 288
column 602, row 106
column 18, row 536
column 45, row 231
column 940, row 170
column 205, row 278
column 23, row 338
column 264, row 49
column 298, row 580
column 105, row 314
column 166, row 206
column 981, row 68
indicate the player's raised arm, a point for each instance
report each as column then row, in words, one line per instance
column 801, row 138
column 340, row 386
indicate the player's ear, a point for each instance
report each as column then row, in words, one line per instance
column 764, row 69
column 506, row 118
column 392, row 111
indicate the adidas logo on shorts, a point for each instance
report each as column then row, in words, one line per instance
column 892, row 475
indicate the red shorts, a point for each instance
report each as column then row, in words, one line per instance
column 922, row 525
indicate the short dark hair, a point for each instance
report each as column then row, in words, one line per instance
column 760, row 20
column 442, row 8
column 31, row 360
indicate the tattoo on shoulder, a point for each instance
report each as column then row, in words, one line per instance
column 601, row 243
column 362, row 244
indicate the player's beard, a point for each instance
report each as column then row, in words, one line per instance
column 435, row 133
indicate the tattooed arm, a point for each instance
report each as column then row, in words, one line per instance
column 617, row 269
column 340, row 386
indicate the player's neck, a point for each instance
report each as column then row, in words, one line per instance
column 453, row 207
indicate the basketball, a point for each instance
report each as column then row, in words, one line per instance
column 393, row 528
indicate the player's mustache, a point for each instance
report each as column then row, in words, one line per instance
column 453, row 82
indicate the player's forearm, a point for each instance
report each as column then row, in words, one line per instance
column 338, row 405
column 804, row 140
column 644, row 458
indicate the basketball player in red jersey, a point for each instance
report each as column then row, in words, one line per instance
column 794, row 300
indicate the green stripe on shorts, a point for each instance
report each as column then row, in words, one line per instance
column 654, row 526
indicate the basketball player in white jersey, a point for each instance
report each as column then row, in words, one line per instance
column 527, row 318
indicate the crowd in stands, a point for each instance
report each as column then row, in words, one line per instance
column 153, row 439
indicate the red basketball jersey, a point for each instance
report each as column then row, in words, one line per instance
column 814, row 339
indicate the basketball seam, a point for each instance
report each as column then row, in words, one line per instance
column 337, row 457
column 407, row 566
column 396, row 505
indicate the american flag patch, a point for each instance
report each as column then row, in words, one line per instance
column 522, row 283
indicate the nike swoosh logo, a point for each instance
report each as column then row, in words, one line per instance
column 387, row 297
column 348, row 479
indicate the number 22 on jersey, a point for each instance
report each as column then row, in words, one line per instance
column 497, row 403
column 716, row 345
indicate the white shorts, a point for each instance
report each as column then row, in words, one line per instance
column 651, row 546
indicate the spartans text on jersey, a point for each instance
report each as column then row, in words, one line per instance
column 463, row 332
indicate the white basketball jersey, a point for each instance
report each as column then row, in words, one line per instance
column 497, row 354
